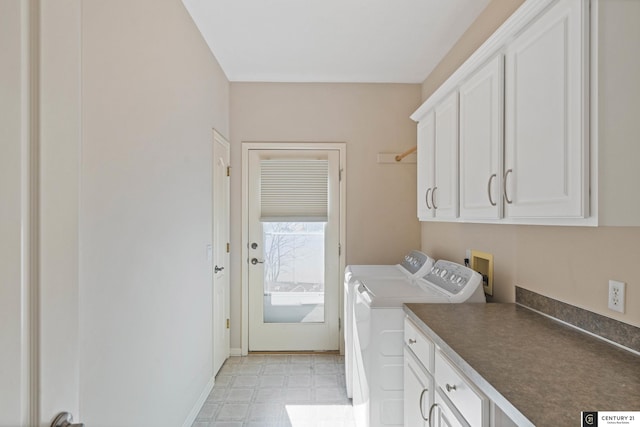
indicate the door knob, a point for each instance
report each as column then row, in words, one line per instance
column 65, row 419
column 254, row 245
column 255, row 261
column 217, row 269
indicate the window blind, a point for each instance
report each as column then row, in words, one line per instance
column 294, row 190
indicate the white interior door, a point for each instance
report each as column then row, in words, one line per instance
column 293, row 249
column 221, row 289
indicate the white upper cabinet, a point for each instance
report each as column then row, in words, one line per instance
column 438, row 161
column 546, row 144
column 531, row 103
column 445, row 190
column 481, row 153
column 426, row 148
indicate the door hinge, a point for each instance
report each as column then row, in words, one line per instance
column 339, row 249
column 228, row 170
column 228, row 247
column 228, row 323
column 340, row 174
column 339, row 323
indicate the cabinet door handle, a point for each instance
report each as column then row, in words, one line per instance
column 450, row 388
column 506, row 174
column 489, row 189
column 433, row 198
column 430, row 411
column 411, row 341
column 420, row 404
column 426, row 198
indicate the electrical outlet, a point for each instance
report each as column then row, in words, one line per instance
column 616, row 296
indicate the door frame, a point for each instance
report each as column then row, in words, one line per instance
column 218, row 138
column 246, row 146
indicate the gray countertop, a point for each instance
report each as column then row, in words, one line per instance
column 539, row 371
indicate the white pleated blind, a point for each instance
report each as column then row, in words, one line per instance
column 293, row 190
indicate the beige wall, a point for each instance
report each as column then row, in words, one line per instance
column 370, row 118
column 571, row 264
column 487, row 22
column 151, row 94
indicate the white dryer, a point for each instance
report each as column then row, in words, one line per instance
column 378, row 335
column 414, row 265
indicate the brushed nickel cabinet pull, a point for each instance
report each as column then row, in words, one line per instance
column 491, row 178
column 433, row 199
column 506, row 174
column 420, row 404
column 430, row 411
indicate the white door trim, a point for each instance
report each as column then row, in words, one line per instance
column 223, row 142
column 246, row 146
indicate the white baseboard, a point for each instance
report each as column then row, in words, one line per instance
column 199, row 403
column 235, row 352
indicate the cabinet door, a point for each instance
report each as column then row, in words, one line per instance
column 481, row 142
column 546, row 144
column 418, row 392
column 445, row 190
column 426, row 141
column 444, row 415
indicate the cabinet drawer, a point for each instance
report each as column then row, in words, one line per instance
column 470, row 402
column 420, row 345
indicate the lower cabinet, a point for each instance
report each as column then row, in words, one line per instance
column 437, row 393
column 443, row 414
column 418, row 391
column 470, row 402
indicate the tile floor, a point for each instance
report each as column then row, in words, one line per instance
column 279, row 391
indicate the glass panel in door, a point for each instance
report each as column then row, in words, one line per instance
column 293, row 272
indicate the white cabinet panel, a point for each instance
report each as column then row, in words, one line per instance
column 471, row 403
column 444, row 414
column 481, row 142
column 445, row 191
column 418, row 392
column 426, row 147
column 546, row 148
column 438, row 161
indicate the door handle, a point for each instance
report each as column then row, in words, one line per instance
column 254, row 245
column 255, row 261
column 65, row 419
column 217, row 269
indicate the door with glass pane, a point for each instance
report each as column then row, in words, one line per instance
column 294, row 275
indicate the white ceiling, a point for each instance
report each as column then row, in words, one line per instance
column 381, row 41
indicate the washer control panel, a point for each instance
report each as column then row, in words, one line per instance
column 452, row 277
column 414, row 261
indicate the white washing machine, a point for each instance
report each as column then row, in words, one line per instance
column 378, row 335
column 414, row 265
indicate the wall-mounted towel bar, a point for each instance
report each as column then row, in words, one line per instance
column 405, row 157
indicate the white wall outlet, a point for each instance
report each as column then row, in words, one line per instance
column 616, row 296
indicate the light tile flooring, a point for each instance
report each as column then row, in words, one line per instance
column 279, row 391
